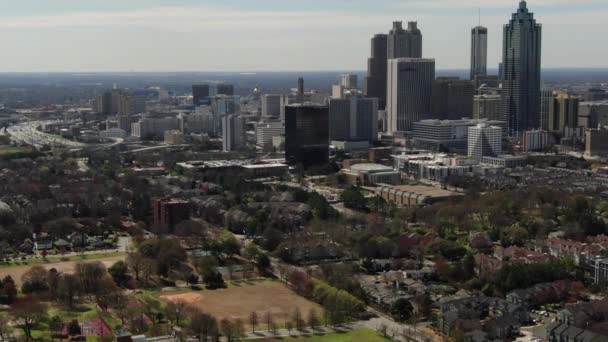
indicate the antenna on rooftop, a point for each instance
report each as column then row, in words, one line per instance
column 479, row 15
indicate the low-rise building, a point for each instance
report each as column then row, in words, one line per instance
column 414, row 195
column 371, row 174
column 174, row 137
column 169, row 212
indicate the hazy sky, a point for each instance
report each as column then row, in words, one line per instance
column 248, row 35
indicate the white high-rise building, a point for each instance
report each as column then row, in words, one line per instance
column 266, row 131
column 479, row 52
column 233, row 133
column 409, row 92
column 271, row 105
column 484, row 141
column 348, row 81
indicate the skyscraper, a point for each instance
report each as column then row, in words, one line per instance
column 409, row 92
column 452, row 98
column 348, row 81
column 224, row 89
column 404, row 43
column 521, row 71
column 271, row 105
column 233, row 133
column 300, row 97
column 375, row 82
column 306, row 135
column 479, row 52
column 200, row 94
column 353, row 118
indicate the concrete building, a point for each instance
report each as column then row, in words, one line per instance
column 445, row 135
column 375, row 82
column 409, row 92
column 593, row 114
column 506, row 161
column 404, row 43
column 266, row 131
column 452, row 98
column 484, row 141
column 367, row 174
column 521, row 71
column 353, row 118
column 596, row 142
column 307, row 135
column 348, row 81
column 486, row 107
column 174, row 137
column 563, row 112
column 153, row 128
column 271, row 105
column 202, row 121
column 600, row 271
column 115, row 132
column 224, row 89
column 535, row 140
column 233, row 132
column 479, row 52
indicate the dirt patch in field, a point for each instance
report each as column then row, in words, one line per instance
column 63, row 266
column 238, row 302
column 184, row 297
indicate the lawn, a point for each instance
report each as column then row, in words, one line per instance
column 362, row 335
column 240, row 299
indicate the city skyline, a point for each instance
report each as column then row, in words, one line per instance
column 267, row 35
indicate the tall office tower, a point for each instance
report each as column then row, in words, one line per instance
column 452, row 98
column 479, row 52
column 233, row 132
column 375, row 82
column 222, row 105
column 409, row 92
column 271, row 105
column 224, row 89
column 521, row 71
column 353, row 118
column 546, row 107
column 306, row 135
column 348, row 81
column 486, row 107
column 563, row 113
column 484, row 141
column 404, row 43
column 200, row 94
column 300, row 96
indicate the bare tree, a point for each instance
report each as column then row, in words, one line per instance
column 27, row 314
column 297, row 319
column 313, row 319
column 175, row 312
column 289, row 326
column 203, row 325
column 269, row 320
column 253, row 320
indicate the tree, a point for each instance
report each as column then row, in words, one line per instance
column 298, row 320
column 8, row 290
column 4, row 326
column 353, row 198
column 74, row 328
column 301, row 282
column 213, row 280
column 90, row 275
column 119, row 271
column 239, row 328
column 203, row 325
column 27, row 313
column 175, row 312
column 253, row 320
column 35, row 280
column 263, row 263
column 55, row 326
column 402, row 309
column 313, row 319
column 135, row 261
column 289, row 326
column 68, row 289
column 227, row 328
column 269, row 320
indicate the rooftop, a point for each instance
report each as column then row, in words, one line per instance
column 424, row 190
column 369, row 167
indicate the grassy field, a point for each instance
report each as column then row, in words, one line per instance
column 240, row 299
column 362, row 335
column 16, row 270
